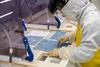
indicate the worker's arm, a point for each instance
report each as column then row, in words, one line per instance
column 89, row 45
column 68, row 37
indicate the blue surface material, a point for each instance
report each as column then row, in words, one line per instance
column 57, row 35
column 33, row 39
column 46, row 45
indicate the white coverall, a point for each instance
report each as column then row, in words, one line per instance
column 89, row 17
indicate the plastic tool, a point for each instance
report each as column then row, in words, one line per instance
column 30, row 56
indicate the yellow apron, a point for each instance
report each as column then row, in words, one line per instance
column 95, row 62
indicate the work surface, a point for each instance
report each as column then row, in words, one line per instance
column 41, row 41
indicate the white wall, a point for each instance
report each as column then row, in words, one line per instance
column 97, row 3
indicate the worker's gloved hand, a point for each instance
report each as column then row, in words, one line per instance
column 62, row 40
column 53, row 53
column 62, row 53
column 65, row 52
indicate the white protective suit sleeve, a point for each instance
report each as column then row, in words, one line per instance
column 90, row 40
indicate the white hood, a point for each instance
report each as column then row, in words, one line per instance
column 73, row 9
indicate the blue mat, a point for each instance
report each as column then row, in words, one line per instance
column 57, row 35
column 33, row 39
column 46, row 45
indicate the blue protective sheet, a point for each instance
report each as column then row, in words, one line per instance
column 46, row 45
column 33, row 39
column 57, row 35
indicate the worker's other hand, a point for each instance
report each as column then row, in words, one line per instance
column 53, row 53
column 62, row 53
column 62, row 40
column 65, row 52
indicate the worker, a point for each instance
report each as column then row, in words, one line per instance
column 85, row 49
